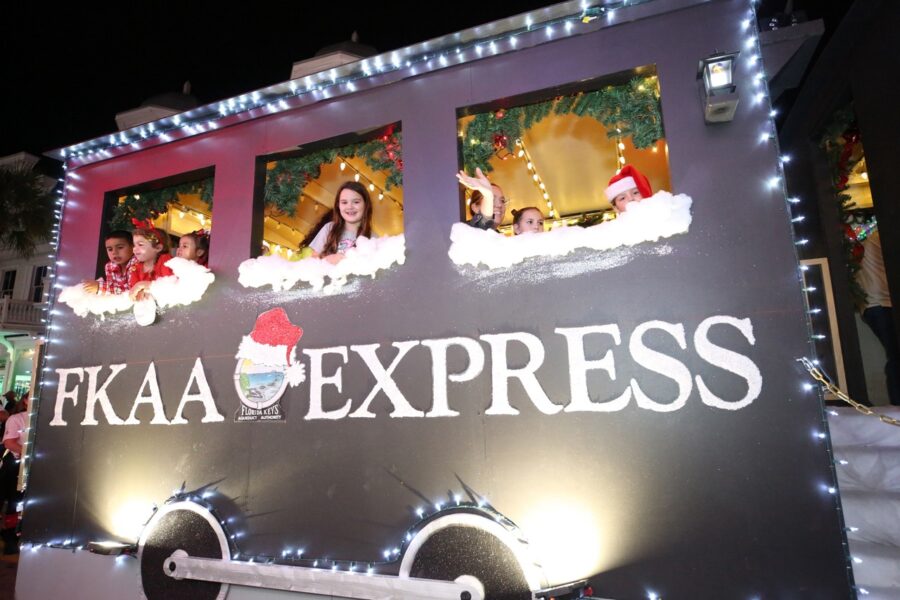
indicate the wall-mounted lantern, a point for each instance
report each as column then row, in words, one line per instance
column 720, row 98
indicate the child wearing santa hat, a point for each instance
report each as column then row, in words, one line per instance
column 626, row 186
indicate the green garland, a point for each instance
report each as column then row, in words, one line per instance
column 630, row 110
column 289, row 177
column 149, row 205
column 838, row 141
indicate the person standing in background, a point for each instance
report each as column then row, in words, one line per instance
column 877, row 312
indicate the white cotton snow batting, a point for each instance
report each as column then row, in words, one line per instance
column 84, row 303
column 367, row 258
column 145, row 312
column 185, row 287
column 660, row 216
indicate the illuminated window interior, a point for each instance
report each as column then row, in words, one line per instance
column 557, row 160
column 858, row 184
column 177, row 210
column 301, row 187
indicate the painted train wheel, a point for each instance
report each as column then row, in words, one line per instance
column 472, row 549
column 180, row 526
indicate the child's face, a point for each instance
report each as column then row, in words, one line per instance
column 499, row 203
column 145, row 250
column 532, row 221
column 352, row 206
column 119, row 251
column 620, row 202
column 187, row 248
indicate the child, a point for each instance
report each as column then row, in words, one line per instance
column 119, row 250
column 194, row 246
column 152, row 253
column 351, row 217
column 485, row 194
column 628, row 185
column 528, row 220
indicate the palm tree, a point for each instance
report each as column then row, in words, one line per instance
column 26, row 209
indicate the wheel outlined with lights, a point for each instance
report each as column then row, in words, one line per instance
column 476, row 549
column 191, row 529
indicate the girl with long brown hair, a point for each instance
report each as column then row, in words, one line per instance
column 351, row 217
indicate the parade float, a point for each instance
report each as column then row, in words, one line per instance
column 612, row 408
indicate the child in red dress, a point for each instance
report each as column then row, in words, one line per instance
column 151, row 249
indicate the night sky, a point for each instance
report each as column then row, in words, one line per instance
column 69, row 69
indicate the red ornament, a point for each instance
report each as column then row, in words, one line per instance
column 500, row 140
column 500, row 114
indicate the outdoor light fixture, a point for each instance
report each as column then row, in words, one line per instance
column 111, row 548
column 720, row 98
column 575, row 589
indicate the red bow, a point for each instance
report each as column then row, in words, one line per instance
column 148, row 225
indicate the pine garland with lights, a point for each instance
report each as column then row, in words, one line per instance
column 149, row 205
column 631, row 110
column 286, row 181
column 839, row 142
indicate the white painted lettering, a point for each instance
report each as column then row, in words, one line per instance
column 579, row 365
column 440, row 406
column 154, row 399
column 97, row 395
column 384, row 381
column 62, row 394
column 317, row 381
column 726, row 359
column 662, row 364
column 203, row 395
column 501, row 374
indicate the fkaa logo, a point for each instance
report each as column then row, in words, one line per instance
column 267, row 364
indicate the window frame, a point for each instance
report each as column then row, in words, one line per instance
column 8, row 292
column 39, row 286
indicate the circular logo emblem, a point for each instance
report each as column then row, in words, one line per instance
column 258, row 386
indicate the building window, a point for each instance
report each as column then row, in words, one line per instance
column 37, row 283
column 9, row 284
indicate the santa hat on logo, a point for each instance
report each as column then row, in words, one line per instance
column 272, row 343
column 628, row 177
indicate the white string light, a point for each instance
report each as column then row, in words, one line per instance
column 279, row 97
column 535, row 177
column 760, row 81
column 372, row 187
